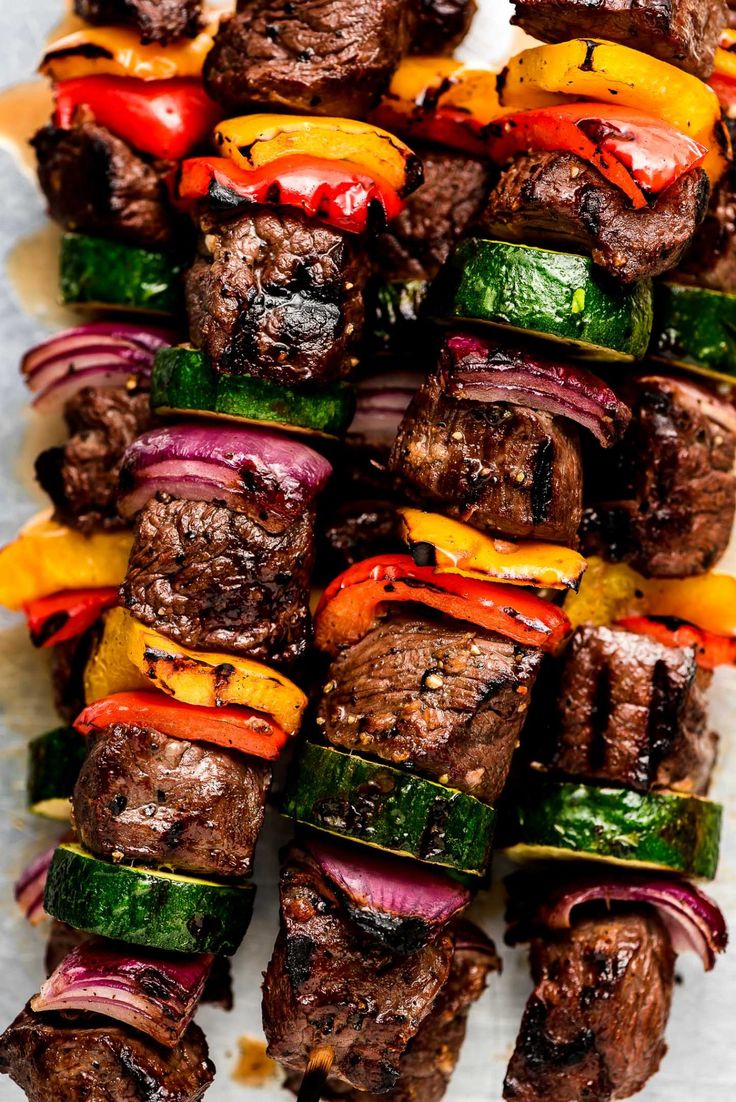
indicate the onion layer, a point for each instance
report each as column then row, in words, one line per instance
column 480, row 369
column 693, row 920
column 393, row 900
column 154, row 994
column 30, row 886
column 102, row 354
column 273, row 478
column 380, row 405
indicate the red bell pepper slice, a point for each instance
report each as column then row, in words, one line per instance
column 232, row 727
column 66, row 615
column 165, row 118
column 631, row 150
column 725, row 88
column 353, row 602
column 711, row 650
column 333, row 191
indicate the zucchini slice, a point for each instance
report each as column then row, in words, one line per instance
column 182, row 380
column 145, row 906
column 97, row 273
column 659, row 830
column 695, row 328
column 54, row 761
column 368, row 802
column 397, row 309
column 553, row 295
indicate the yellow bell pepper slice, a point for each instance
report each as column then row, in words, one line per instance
column 459, row 549
column 611, row 591
column 255, row 140
column 119, row 51
column 47, row 557
column 598, row 70
column 132, row 656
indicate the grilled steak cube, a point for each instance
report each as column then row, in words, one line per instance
column 431, row 1056
column 276, row 296
column 557, row 199
column 54, row 1058
column 156, row 20
column 211, row 578
column 711, row 260
column 435, row 216
column 317, row 57
column 68, row 662
column 329, row 983
column 353, row 530
column 95, row 183
column 670, row 517
column 443, row 25
column 81, row 476
column 445, row 699
column 167, row 801
column 504, row 469
column 594, row 1026
column 683, row 32
column 631, row 711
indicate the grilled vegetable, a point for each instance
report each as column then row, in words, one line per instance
column 711, row 650
column 131, row 657
column 165, row 118
column 183, row 381
column 652, row 829
column 355, row 600
column 695, row 328
column 254, row 141
column 118, row 51
column 361, row 800
column 46, row 558
column 52, row 620
column 54, row 761
column 144, row 906
column 592, row 69
column 109, row 275
column 236, row 728
column 451, row 547
column 559, row 296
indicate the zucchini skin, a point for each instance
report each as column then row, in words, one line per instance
column 107, row 274
column 653, row 829
column 54, row 762
column 182, row 379
column 554, row 295
column 144, row 906
column 695, row 328
column 378, row 805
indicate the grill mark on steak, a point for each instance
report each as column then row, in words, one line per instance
column 95, row 183
column 664, row 717
column 346, row 987
column 155, row 20
column 558, row 199
column 542, row 486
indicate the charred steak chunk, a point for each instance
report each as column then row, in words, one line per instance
column 208, row 577
column 276, row 296
column 447, row 699
column 57, row 1059
column 95, row 183
column 81, row 476
column 631, row 711
column 558, row 199
column 351, row 531
column 431, row 1056
column 167, row 801
column 436, row 215
column 317, row 57
column 670, row 517
column 156, row 20
column 68, row 662
column 711, row 260
column 443, row 25
column 504, row 469
column 329, row 983
column 683, row 32
column 594, row 1026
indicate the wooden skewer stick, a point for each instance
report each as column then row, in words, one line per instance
column 320, row 1063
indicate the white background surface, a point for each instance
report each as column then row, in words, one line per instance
column 701, row 1065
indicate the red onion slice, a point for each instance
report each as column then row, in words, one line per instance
column 480, row 369
column 155, row 994
column 30, row 885
column 394, row 900
column 71, row 342
column 273, row 478
column 469, row 938
column 381, row 402
column 693, row 920
column 102, row 375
